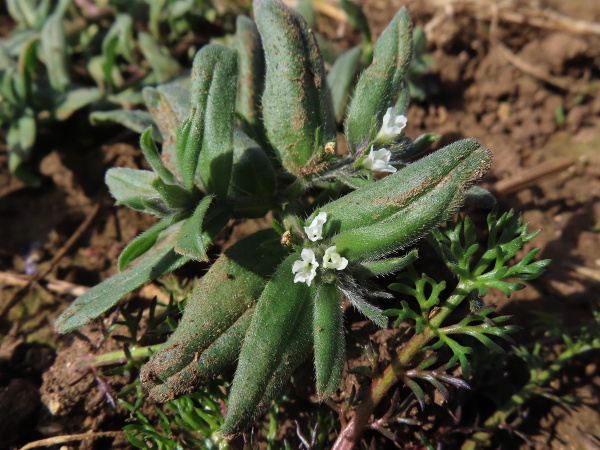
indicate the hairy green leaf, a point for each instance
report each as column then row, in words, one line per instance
column 378, row 86
column 251, row 62
column 328, row 332
column 278, row 339
column 455, row 167
column 341, row 77
column 239, row 275
column 297, row 108
column 130, row 186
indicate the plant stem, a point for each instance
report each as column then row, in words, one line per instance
column 380, row 386
column 118, row 357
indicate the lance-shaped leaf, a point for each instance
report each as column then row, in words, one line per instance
column 130, row 186
column 388, row 265
column 141, row 244
column 297, row 108
column 251, row 61
column 277, row 339
column 328, row 332
column 164, row 67
column 238, row 276
column 151, row 154
column 220, row 356
column 252, row 178
column 54, row 50
column 75, row 99
column 205, row 140
column 403, row 228
column 379, row 84
column 158, row 261
column 292, row 354
column 341, row 78
column 169, row 105
column 199, row 230
column 460, row 164
column 135, row 120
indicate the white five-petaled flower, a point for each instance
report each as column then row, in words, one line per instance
column 379, row 161
column 392, row 125
column 305, row 268
column 315, row 230
column 333, row 260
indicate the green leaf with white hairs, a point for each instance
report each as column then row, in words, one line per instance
column 216, row 158
column 278, row 339
column 378, row 86
column 297, row 109
column 169, row 105
column 160, row 260
column 340, row 79
column 329, row 345
column 141, row 244
column 152, row 155
column 403, row 228
column 205, row 139
column 209, row 327
column 388, row 265
column 75, row 99
column 135, row 120
column 177, row 197
column 130, row 186
column 251, row 61
column 194, row 237
column 458, row 165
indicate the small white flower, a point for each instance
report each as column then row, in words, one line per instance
column 333, row 260
column 379, row 161
column 315, row 230
column 305, row 268
column 392, row 125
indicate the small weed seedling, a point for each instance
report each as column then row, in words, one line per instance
column 243, row 140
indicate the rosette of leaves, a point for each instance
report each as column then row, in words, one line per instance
column 204, row 175
column 250, row 307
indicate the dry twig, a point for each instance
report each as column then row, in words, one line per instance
column 532, row 176
column 70, row 438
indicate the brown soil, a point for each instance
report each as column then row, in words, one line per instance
column 480, row 85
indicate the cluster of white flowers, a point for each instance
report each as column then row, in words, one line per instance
column 306, row 268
